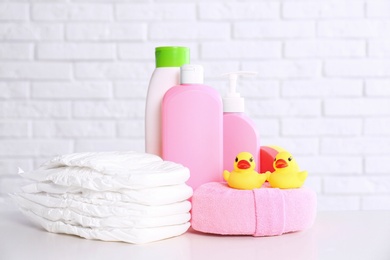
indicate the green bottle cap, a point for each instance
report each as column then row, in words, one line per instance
column 171, row 56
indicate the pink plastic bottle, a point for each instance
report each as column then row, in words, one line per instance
column 192, row 127
column 239, row 131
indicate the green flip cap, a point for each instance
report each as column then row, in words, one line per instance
column 172, row 56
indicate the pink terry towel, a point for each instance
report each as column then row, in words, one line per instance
column 219, row 209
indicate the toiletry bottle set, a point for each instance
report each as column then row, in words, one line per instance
column 186, row 122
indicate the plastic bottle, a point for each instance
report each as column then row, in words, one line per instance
column 239, row 131
column 166, row 75
column 192, row 127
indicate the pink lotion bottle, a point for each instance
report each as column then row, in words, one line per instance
column 192, row 132
column 239, row 131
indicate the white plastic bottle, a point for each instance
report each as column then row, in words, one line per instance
column 239, row 131
column 166, row 75
column 192, row 127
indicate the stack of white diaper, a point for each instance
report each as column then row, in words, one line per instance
column 112, row 196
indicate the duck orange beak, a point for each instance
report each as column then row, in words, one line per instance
column 243, row 164
column 280, row 163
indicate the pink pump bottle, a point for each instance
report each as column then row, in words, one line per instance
column 239, row 131
column 192, row 132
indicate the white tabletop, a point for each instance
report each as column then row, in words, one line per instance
column 335, row 235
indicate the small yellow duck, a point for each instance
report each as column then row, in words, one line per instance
column 287, row 174
column 244, row 177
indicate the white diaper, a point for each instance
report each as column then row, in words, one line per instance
column 130, row 235
column 151, row 196
column 106, row 208
column 110, row 171
column 71, row 217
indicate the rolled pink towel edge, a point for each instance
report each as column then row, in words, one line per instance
column 219, row 209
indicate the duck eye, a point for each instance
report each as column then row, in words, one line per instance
column 290, row 159
column 236, row 159
column 251, row 159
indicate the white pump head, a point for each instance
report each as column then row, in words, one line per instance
column 191, row 74
column 233, row 102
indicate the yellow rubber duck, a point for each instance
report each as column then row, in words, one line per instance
column 244, row 176
column 287, row 174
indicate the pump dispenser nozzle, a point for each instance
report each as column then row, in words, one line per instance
column 233, row 102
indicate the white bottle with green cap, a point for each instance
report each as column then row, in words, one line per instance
column 169, row 59
column 239, row 131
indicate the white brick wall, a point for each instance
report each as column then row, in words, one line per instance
column 74, row 77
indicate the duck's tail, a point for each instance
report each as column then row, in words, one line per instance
column 302, row 176
column 267, row 173
column 226, row 175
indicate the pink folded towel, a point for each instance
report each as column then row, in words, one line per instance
column 219, row 209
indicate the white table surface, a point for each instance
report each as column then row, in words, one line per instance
column 335, row 235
